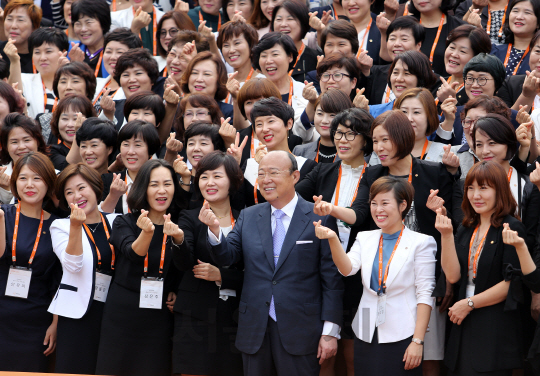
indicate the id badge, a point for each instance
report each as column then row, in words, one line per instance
column 344, row 237
column 381, row 310
column 469, row 291
column 18, row 282
column 151, row 293
column 103, row 282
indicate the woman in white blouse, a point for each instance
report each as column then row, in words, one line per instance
column 398, row 275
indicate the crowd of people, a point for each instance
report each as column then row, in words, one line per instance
column 270, row 187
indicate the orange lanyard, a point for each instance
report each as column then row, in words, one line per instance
column 255, row 198
column 410, row 175
column 361, row 47
column 508, row 57
column 98, row 64
column 93, row 241
column 16, row 230
column 252, row 144
column 317, row 157
column 382, row 282
column 125, row 180
column 229, row 97
column 114, row 5
column 154, row 30
column 45, row 98
column 436, row 38
column 336, row 200
column 161, row 261
column 165, row 72
column 232, row 218
column 103, row 90
column 477, row 253
column 510, row 174
column 426, row 143
column 298, row 58
column 219, row 21
column 405, row 12
column 67, row 32
column 65, row 145
column 290, row 92
column 488, row 27
column 388, row 91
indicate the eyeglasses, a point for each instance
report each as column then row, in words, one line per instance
column 274, row 174
column 467, row 123
column 349, row 136
column 335, row 76
column 172, row 32
column 198, row 114
column 480, row 80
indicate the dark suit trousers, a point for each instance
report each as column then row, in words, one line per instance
column 273, row 360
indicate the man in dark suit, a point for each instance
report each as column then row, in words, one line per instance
column 290, row 308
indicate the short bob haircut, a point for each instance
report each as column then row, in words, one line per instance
column 256, row 88
column 418, row 65
column 258, row 19
column 221, row 92
column 200, row 128
column 534, row 40
column 408, row 23
column 446, row 5
column 268, row 41
column 140, row 57
column 493, row 175
column 479, row 39
column 182, row 21
column 428, row 102
column 4, row 69
column 506, row 28
column 41, row 165
column 96, row 9
column 333, row 101
column 297, row 10
column 489, row 64
column 500, row 130
column 97, row 128
column 137, row 198
column 236, row 29
column 123, row 35
column 185, row 36
column 81, row 70
column 341, row 29
column 272, row 106
column 350, row 64
column 215, row 160
column 145, row 100
column 357, row 120
column 400, row 131
column 13, row 99
column 48, row 35
column 76, row 103
column 492, row 105
column 402, row 190
column 28, row 125
column 90, row 175
column 196, row 101
column 138, row 128
column 34, row 12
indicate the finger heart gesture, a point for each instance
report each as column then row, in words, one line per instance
column 144, row 223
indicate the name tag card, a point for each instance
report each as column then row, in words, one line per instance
column 18, row 282
column 103, row 282
column 381, row 310
column 151, row 293
column 469, row 291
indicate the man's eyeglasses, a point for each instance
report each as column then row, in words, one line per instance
column 172, row 32
column 349, row 136
column 480, row 80
column 336, row 76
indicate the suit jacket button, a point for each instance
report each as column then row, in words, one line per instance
column 274, row 282
column 267, row 304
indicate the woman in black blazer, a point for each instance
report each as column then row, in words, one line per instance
column 486, row 319
column 208, row 296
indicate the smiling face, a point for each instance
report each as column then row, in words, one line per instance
column 30, row 186
column 271, row 131
column 20, row 143
column 426, row 6
column 95, row 153
column 522, row 20
column 475, row 89
column 267, row 7
column 385, row 210
column 4, row 108
column 413, row 108
column 135, row 79
column 78, row 191
column 193, row 114
column 488, row 150
column 67, row 11
column 176, row 62
column 457, row 55
column 274, row 63
column 322, row 121
column 168, row 31
column 276, row 182
column 45, row 58
column 111, row 54
column 401, row 79
column 143, row 114
column 89, row 31
column 286, row 23
column 346, row 84
column 473, row 115
column 356, row 10
column 197, row 147
column 214, row 185
column 71, row 85
column 482, row 197
column 349, row 150
column 236, row 51
column 383, row 146
column 66, row 125
column 160, row 191
column 203, row 78
column 401, row 40
column 534, row 59
column 134, row 153
column 244, row 6
column 210, row 6
column 335, row 44
column 18, row 26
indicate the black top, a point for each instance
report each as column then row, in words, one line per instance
column 98, row 232
column 58, row 156
column 307, row 63
column 107, row 181
column 511, row 89
column 376, row 83
column 327, row 154
column 26, row 59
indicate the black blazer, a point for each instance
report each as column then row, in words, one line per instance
column 107, row 181
column 511, row 89
column 376, row 83
column 493, row 329
column 197, row 297
column 306, row 64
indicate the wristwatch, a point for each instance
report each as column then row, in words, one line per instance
column 470, row 303
column 182, row 183
column 418, row 341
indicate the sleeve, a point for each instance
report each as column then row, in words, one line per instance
column 123, row 236
column 306, row 187
column 462, row 9
column 449, row 194
column 505, row 92
column 424, row 271
column 58, row 160
column 532, row 281
column 361, row 203
column 229, row 250
column 232, row 278
column 183, row 256
column 443, row 135
column 354, row 256
column 60, row 239
column 5, row 196
column 530, row 217
column 58, row 18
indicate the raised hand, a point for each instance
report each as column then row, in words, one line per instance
column 446, row 90
column 382, row 22
column 366, row 62
column 236, row 149
column 479, row 4
column 140, row 20
column 443, row 224
column 524, row 134
column 260, row 152
column 315, row 22
column 170, row 96
column 434, row 202
column 181, row 168
column 173, row 145
column 534, row 177
column 227, row 131
column 323, row 232
column 450, row 160
column 144, row 223
column 511, row 237
column 107, row 104
column 238, row 16
column 523, row 115
column 77, row 216
column 531, row 85
column 310, row 93
column 208, row 217
column 322, row 208
column 205, row 31
column 189, row 50
column 62, row 59
column 319, row 59
column 118, row 186
column 326, row 17
column 360, row 101
column 76, row 54
column 78, row 122
column 233, row 86
column 181, row 6
column 390, row 8
column 449, row 109
column 11, row 51
column 171, row 229
column 5, row 179
column 206, row 271
column 474, row 18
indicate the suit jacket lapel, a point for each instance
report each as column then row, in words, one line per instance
column 486, row 257
column 299, row 221
column 264, row 224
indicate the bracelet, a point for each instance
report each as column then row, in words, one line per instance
column 418, row 341
column 186, row 184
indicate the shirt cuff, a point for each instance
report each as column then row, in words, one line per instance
column 331, row 329
column 213, row 239
column 445, row 135
column 103, row 117
column 305, row 121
